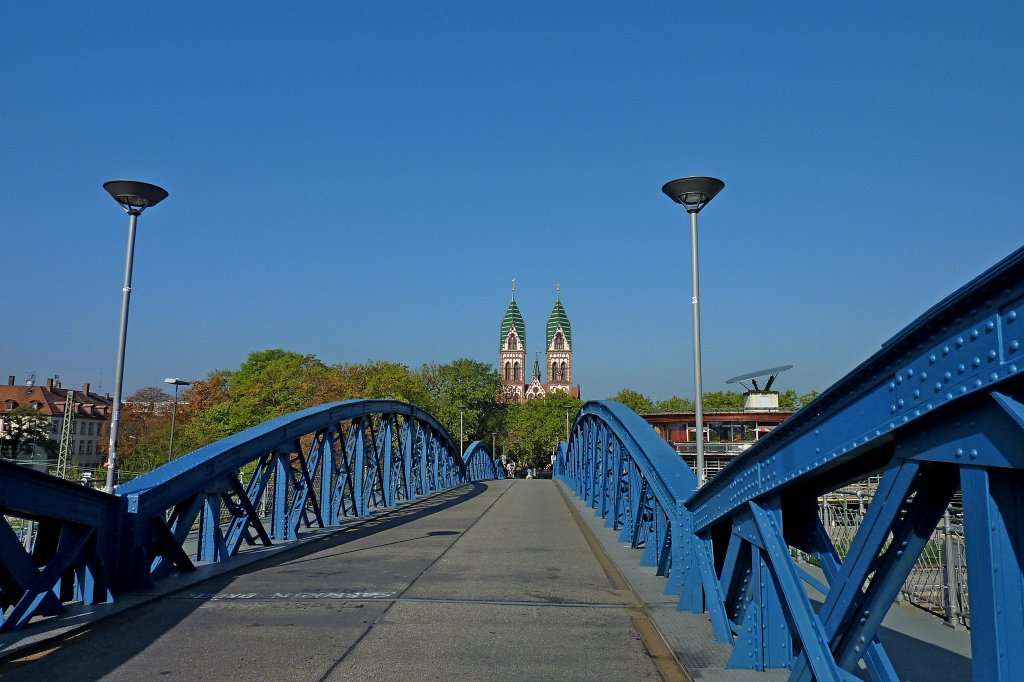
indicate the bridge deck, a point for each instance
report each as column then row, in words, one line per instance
column 491, row 580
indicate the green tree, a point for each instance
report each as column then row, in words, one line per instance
column 23, row 429
column 536, row 426
column 675, row 404
column 469, row 385
column 634, row 400
column 723, row 400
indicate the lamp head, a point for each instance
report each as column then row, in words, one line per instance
column 694, row 193
column 135, row 196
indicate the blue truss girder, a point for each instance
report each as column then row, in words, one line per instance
column 940, row 406
column 314, row 467
column 634, row 480
column 73, row 551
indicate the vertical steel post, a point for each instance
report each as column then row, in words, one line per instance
column 698, row 384
column 949, row 590
column 118, row 378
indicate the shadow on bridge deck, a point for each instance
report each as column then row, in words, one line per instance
column 489, row 580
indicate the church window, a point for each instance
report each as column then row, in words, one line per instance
column 559, row 341
column 508, row 371
column 564, row 373
column 515, row 372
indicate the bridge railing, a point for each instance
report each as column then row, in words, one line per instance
column 940, row 408
column 319, row 467
column 634, row 480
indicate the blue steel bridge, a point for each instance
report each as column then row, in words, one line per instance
column 437, row 566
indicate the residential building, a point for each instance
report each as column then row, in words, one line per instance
column 91, row 411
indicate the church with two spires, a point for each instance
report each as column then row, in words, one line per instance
column 558, row 355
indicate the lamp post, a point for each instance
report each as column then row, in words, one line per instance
column 134, row 197
column 694, row 193
column 462, row 449
column 494, row 453
column 567, row 425
column 174, row 410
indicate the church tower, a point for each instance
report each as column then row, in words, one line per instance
column 559, row 349
column 512, row 353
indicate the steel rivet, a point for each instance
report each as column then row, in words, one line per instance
column 974, row 453
column 924, row 375
column 1012, row 315
column 992, row 355
column 960, row 368
column 974, row 334
column 910, row 373
column 959, row 341
column 932, row 358
column 959, row 452
column 938, row 386
column 975, row 361
column 917, row 393
column 990, row 325
column 1015, row 344
column 945, row 350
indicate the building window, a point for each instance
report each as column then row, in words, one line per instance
column 515, row 372
column 88, row 447
column 10, row 404
column 564, row 374
column 559, row 341
column 90, row 428
column 508, row 371
column 81, row 446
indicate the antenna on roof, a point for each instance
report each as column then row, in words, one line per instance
column 757, row 397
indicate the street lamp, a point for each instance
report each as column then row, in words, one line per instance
column 493, row 451
column 567, row 425
column 174, row 411
column 134, row 197
column 694, row 193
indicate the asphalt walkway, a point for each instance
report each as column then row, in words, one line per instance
column 499, row 580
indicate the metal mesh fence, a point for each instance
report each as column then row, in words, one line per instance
column 938, row 581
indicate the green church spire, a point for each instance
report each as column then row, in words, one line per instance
column 559, row 317
column 513, row 318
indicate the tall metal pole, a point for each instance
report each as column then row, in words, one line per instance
column 174, row 414
column 119, row 375
column 698, row 384
column 567, row 426
column 494, row 453
column 462, row 448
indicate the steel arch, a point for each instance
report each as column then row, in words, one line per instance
column 316, row 467
column 940, row 408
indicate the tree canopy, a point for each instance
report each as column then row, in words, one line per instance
column 535, row 427
column 23, row 429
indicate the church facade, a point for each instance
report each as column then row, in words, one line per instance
column 557, row 356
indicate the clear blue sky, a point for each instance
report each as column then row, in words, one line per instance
column 363, row 180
